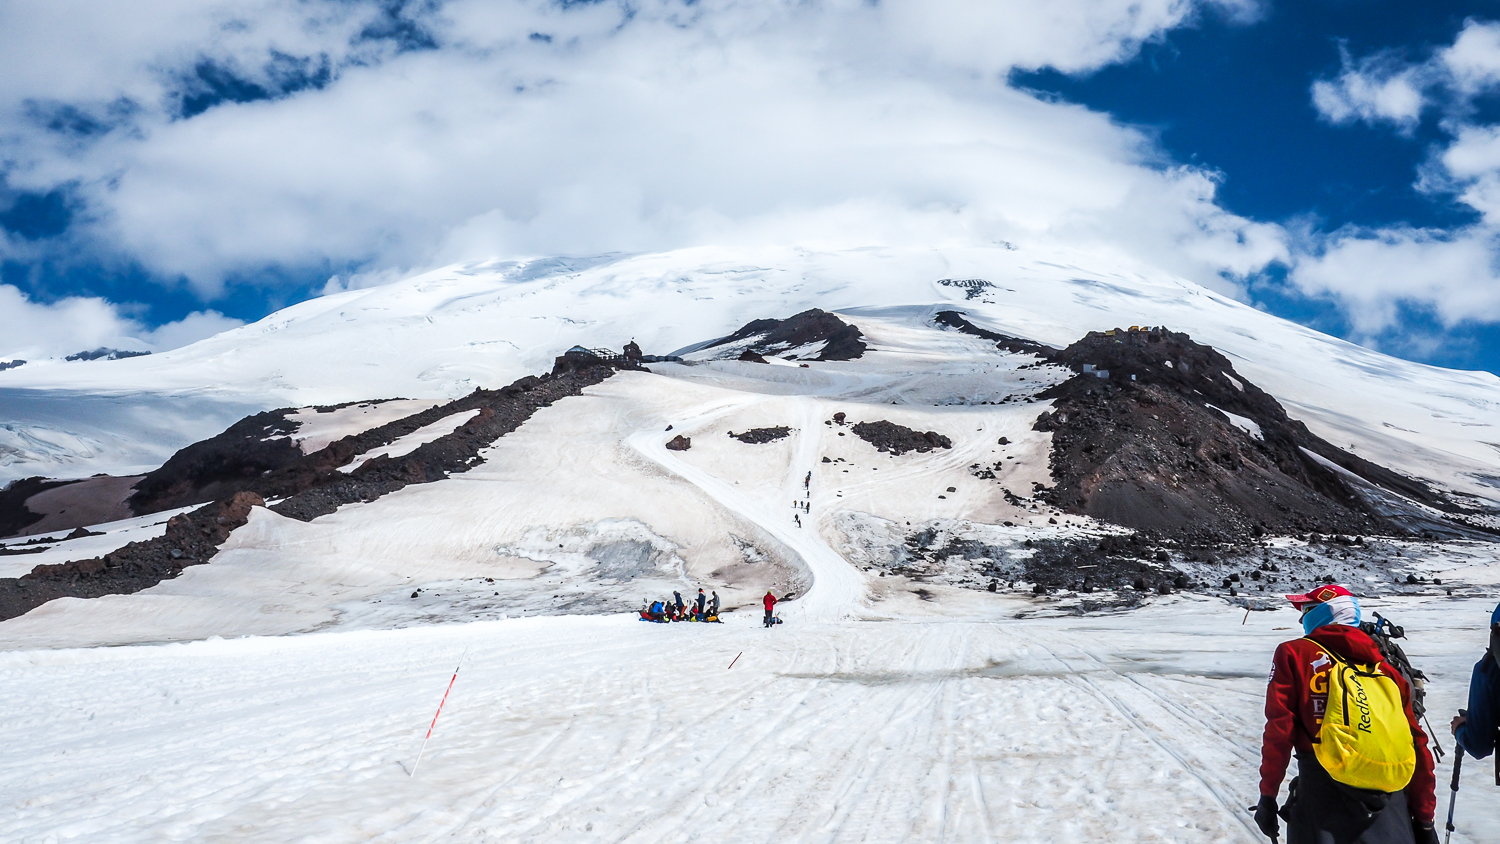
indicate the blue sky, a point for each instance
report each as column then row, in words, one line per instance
column 166, row 175
column 1236, row 98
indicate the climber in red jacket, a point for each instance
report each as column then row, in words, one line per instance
column 1296, row 699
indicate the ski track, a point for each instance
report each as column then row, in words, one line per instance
column 841, row 728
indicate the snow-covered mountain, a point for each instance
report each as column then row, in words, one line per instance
column 443, row 333
column 952, row 577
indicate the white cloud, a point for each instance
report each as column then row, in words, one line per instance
column 1376, row 272
column 1375, row 89
column 32, row 330
column 1472, row 63
column 199, row 325
column 534, row 129
column 1373, row 274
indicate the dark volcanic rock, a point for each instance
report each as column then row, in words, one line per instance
column 679, row 443
column 756, row 436
column 310, row 487
column 751, row 357
column 899, row 439
column 14, row 517
column 313, row 487
column 222, row 465
column 954, row 319
column 104, row 354
column 772, row 336
column 191, row 538
column 1141, row 439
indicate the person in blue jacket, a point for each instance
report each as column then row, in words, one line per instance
column 1475, row 728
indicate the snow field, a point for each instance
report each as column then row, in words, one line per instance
column 406, row 444
column 315, row 430
column 1138, row 727
column 873, row 714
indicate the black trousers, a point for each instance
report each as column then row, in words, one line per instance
column 1326, row 812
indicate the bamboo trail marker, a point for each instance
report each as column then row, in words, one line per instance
column 436, row 714
column 736, row 659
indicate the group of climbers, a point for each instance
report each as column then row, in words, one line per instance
column 1342, row 703
column 703, row 608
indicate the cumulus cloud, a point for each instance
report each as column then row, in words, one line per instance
column 1453, row 276
column 1376, row 89
column 32, row 330
column 207, row 139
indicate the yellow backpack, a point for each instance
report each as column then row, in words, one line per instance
column 1365, row 740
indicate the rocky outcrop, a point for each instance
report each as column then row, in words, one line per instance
column 218, row 467
column 308, row 487
column 14, row 516
column 841, row 341
column 1160, row 434
column 758, row 436
column 679, row 443
column 190, row 539
column 899, row 439
column 956, row 320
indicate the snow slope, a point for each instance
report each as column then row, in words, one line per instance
column 1139, row 727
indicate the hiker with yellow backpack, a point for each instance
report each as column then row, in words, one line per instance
column 1364, row 772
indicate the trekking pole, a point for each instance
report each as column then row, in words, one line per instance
column 436, row 714
column 1458, row 762
column 1432, row 737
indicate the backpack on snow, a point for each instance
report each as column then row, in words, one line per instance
column 1365, row 741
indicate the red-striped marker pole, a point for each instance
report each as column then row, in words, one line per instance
column 436, row 714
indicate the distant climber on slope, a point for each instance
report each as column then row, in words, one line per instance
column 702, row 600
column 714, row 604
column 770, row 602
column 1477, row 728
column 1371, row 783
column 680, row 605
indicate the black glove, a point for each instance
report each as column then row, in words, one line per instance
column 1265, row 817
column 1425, row 833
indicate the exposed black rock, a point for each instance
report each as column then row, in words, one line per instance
column 973, row 288
column 757, row 436
column 310, row 487
column 1141, row 439
column 104, row 354
column 313, row 487
column 14, row 517
column 191, row 538
column 772, row 336
column 954, row 319
column 899, row 439
column 751, row 357
column 679, row 443
column 11, row 364
column 220, row 466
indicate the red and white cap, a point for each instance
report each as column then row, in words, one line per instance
column 1320, row 595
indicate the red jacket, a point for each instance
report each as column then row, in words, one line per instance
column 1298, row 695
column 770, row 601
